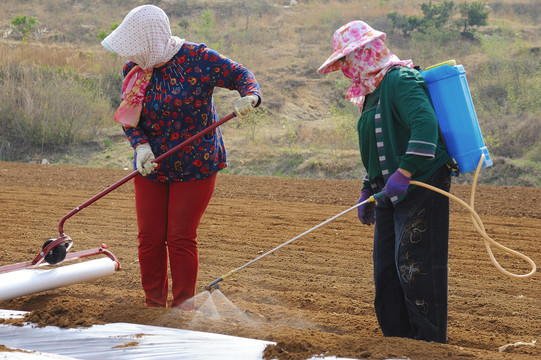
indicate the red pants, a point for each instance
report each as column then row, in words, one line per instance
column 168, row 215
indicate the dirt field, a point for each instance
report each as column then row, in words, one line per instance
column 313, row 296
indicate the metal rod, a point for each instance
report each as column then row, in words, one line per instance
column 135, row 172
column 370, row 199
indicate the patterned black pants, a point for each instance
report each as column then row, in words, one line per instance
column 411, row 246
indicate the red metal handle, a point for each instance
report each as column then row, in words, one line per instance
column 135, row 172
column 38, row 260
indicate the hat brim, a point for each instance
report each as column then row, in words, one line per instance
column 331, row 63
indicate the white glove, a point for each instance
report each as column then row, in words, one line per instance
column 144, row 159
column 244, row 105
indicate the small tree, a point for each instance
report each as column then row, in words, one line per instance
column 205, row 27
column 434, row 16
column 24, row 25
column 473, row 14
column 437, row 15
column 254, row 8
column 406, row 24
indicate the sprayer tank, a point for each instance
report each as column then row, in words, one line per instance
column 456, row 115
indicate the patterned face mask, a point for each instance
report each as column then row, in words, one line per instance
column 360, row 53
column 366, row 67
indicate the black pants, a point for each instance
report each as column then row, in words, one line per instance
column 411, row 246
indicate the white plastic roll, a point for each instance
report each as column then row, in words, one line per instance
column 30, row 281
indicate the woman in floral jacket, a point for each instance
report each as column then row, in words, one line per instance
column 167, row 98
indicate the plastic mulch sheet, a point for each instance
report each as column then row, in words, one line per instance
column 122, row 341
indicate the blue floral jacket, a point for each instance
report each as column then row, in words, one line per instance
column 178, row 104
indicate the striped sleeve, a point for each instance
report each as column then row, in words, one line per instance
column 421, row 148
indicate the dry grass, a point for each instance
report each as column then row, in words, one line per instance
column 276, row 39
column 282, row 45
column 43, row 108
column 89, row 60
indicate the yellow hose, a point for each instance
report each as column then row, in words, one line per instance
column 481, row 228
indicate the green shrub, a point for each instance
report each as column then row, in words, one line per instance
column 24, row 24
column 110, row 87
column 510, row 81
column 473, row 15
column 45, row 108
column 102, row 34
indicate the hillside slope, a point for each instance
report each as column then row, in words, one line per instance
column 304, row 128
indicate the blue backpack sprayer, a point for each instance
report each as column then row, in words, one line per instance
column 462, row 137
column 456, row 115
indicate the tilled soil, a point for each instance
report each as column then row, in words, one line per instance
column 313, row 296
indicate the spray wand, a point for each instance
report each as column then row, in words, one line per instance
column 372, row 198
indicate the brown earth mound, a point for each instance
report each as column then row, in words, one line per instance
column 313, row 296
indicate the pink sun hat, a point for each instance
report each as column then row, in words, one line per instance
column 347, row 39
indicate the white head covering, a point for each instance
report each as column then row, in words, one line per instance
column 144, row 37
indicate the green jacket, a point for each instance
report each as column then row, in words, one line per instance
column 411, row 137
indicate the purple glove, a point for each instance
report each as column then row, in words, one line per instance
column 366, row 213
column 397, row 184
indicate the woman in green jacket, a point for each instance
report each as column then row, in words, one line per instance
column 399, row 142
